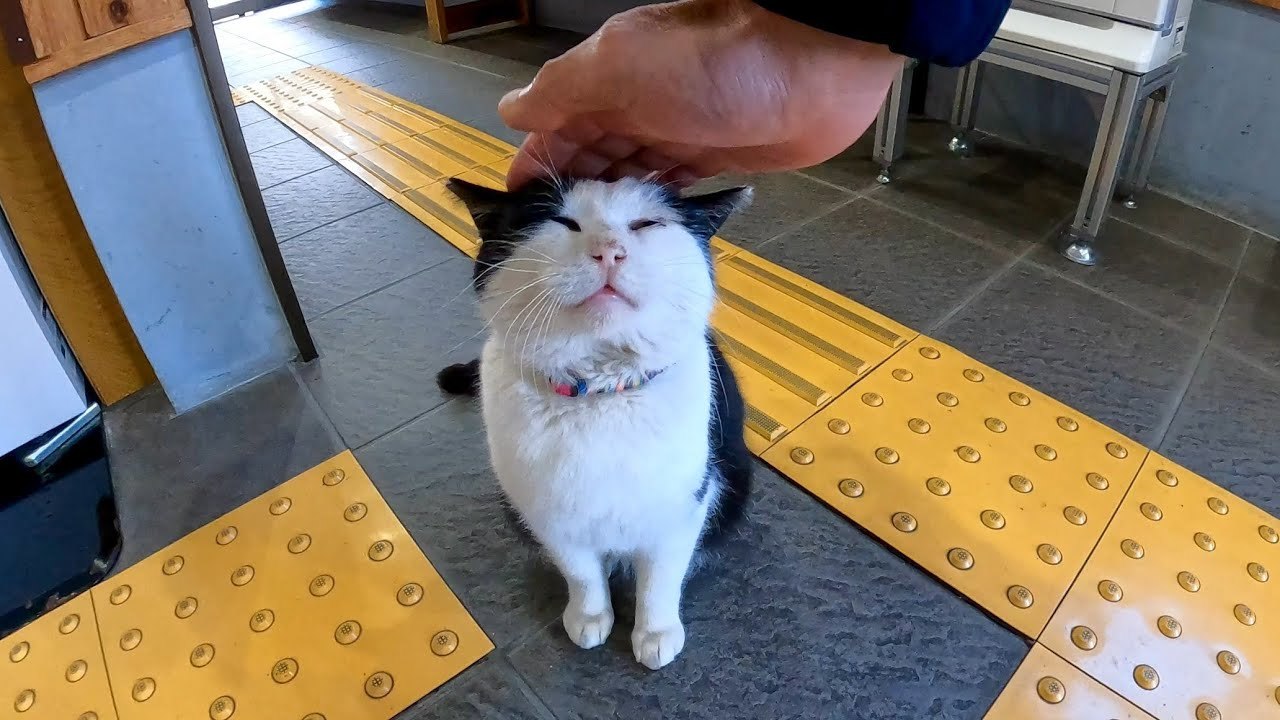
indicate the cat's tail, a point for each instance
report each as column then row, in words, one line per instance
column 460, row 379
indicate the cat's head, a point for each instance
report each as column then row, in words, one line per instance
column 581, row 271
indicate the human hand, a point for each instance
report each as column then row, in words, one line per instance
column 692, row 89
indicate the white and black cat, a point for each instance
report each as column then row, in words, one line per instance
column 614, row 423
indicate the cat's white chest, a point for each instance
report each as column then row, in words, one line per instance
column 611, row 471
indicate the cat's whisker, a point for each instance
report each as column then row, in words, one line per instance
column 547, row 306
column 526, row 309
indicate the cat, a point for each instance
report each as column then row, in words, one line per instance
column 614, row 424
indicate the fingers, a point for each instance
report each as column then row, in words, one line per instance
column 563, row 89
column 587, row 153
column 540, row 155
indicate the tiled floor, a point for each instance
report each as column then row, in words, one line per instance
column 1174, row 340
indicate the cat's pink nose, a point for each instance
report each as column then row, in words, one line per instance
column 608, row 254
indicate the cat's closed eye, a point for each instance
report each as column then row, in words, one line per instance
column 567, row 222
column 638, row 225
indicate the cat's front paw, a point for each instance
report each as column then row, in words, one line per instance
column 586, row 630
column 654, row 648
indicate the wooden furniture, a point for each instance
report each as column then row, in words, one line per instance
column 450, row 22
column 53, row 239
column 46, row 37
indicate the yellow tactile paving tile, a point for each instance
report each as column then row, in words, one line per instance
column 997, row 489
column 794, row 344
column 52, row 669
column 441, row 210
column 1046, row 687
column 310, row 601
column 1178, row 609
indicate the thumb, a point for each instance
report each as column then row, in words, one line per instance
column 527, row 114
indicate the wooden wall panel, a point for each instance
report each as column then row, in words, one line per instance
column 50, row 36
column 103, row 16
column 53, row 239
column 52, row 25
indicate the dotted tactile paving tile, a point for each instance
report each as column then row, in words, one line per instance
column 1178, row 609
column 794, row 344
column 53, row 668
column 997, row 489
column 309, row 602
column 1046, row 687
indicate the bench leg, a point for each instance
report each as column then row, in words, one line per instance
column 1144, row 149
column 965, row 109
column 891, row 123
column 1077, row 241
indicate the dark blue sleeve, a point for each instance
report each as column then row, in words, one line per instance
column 943, row 32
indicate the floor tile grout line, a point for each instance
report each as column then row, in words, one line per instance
column 402, row 425
column 526, row 688
column 799, row 225
column 332, row 427
column 1133, row 481
column 1182, row 244
column 1087, row 674
column 1053, row 270
column 102, row 647
column 1184, row 386
column 393, row 283
column 871, row 196
column 425, row 55
column 982, row 287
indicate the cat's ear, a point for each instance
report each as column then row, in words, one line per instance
column 480, row 200
column 705, row 214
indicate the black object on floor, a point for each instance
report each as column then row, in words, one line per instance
column 59, row 532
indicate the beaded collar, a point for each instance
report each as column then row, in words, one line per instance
column 578, row 387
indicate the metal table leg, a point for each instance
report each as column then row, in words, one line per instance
column 1077, row 241
column 891, row 123
column 964, row 111
column 1144, row 149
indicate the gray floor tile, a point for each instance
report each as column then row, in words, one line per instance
column 1250, row 321
column 491, row 690
column 174, row 474
column 854, row 169
column 492, row 124
column 265, row 133
column 1262, row 260
column 250, row 113
column 782, row 202
column 1226, row 429
column 336, row 52
column 286, row 161
column 520, row 45
column 1208, row 234
column 312, row 200
column 268, row 71
column 352, row 257
column 245, row 64
column 435, row 474
column 380, row 354
column 352, row 63
column 911, row 271
column 1002, row 196
column 1094, row 354
column 461, row 93
column 1151, row 273
column 803, row 616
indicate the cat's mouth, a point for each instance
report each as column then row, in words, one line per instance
column 607, row 296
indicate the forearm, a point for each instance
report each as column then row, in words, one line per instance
column 943, row 32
